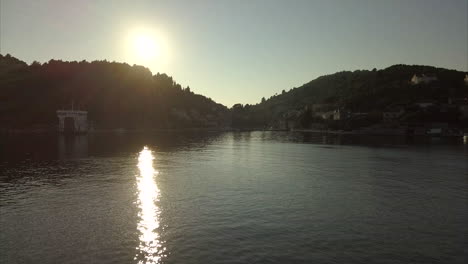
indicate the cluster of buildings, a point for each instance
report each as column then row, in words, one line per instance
column 394, row 112
column 329, row 112
column 391, row 115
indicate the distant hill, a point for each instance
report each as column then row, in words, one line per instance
column 116, row 95
column 358, row 91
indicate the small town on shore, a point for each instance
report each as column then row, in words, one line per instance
column 85, row 97
column 423, row 118
column 396, row 120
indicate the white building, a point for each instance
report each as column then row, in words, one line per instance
column 422, row 79
column 72, row 121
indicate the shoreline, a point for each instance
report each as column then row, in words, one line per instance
column 377, row 132
column 118, row 130
column 364, row 132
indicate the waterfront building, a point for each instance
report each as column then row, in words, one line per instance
column 73, row 121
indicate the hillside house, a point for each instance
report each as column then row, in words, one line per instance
column 422, row 79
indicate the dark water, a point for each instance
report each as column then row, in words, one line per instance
column 251, row 197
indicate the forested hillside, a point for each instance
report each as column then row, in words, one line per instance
column 358, row 91
column 116, row 95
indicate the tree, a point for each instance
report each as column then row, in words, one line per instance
column 116, row 95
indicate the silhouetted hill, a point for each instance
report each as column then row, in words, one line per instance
column 116, row 95
column 358, row 91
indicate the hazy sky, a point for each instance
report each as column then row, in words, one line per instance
column 241, row 50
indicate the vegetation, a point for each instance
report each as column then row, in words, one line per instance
column 116, row 95
column 360, row 91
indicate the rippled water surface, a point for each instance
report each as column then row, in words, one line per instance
column 234, row 197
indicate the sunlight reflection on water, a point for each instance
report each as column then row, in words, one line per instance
column 150, row 249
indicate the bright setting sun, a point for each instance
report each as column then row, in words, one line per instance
column 147, row 47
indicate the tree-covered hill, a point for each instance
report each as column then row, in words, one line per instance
column 116, row 95
column 358, row 91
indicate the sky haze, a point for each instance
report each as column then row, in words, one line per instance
column 240, row 51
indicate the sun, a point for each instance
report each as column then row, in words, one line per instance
column 146, row 48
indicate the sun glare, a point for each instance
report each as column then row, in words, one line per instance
column 150, row 249
column 147, row 47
